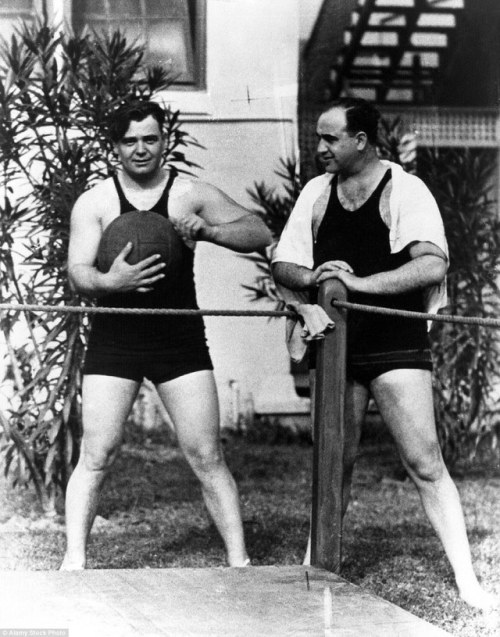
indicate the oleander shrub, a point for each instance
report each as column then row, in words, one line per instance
column 56, row 93
column 467, row 374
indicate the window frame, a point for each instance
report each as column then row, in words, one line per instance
column 39, row 8
column 198, row 35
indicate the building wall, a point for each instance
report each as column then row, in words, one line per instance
column 247, row 120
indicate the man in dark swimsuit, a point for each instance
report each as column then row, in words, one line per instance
column 379, row 231
column 170, row 351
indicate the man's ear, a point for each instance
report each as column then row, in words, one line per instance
column 361, row 140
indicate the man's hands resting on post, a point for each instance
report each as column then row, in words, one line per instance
column 426, row 267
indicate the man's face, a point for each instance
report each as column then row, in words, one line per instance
column 337, row 150
column 140, row 149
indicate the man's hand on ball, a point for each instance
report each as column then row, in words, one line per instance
column 192, row 227
column 123, row 277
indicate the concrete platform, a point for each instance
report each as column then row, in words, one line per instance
column 262, row 601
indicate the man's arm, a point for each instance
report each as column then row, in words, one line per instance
column 427, row 267
column 202, row 212
column 292, row 276
column 84, row 277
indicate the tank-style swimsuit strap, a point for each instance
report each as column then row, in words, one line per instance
column 382, row 183
column 160, row 206
column 125, row 205
column 386, row 177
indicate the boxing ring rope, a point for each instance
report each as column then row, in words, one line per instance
column 443, row 318
column 336, row 302
column 90, row 309
column 328, row 449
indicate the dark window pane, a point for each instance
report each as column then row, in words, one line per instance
column 170, row 44
column 17, row 6
column 91, row 6
column 12, row 12
column 165, row 26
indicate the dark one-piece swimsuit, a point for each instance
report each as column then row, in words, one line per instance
column 159, row 348
column 375, row 343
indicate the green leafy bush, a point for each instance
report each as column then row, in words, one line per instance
column 56, row 93
column 466, row 356
column 274, row 206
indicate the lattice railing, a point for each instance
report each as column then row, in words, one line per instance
column 439, row 126
column 450, row 126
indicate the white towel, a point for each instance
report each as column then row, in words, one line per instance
column 310, row 323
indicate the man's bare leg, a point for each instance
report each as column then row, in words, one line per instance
column 404, row 398
column 106, row 403
column 192, row 403
column 356, row 402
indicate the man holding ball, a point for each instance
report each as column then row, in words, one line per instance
column 170, row 351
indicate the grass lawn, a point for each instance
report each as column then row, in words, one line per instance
column 152, row 516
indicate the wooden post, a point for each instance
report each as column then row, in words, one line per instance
column 326, row 519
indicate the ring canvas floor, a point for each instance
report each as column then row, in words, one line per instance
column 264, row 601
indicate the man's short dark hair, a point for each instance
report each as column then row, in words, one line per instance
column 133, row 112
column 360, row 116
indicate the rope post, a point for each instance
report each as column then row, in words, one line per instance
column 328, row 451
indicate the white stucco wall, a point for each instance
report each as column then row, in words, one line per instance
column 308, row 13
column 246, row 119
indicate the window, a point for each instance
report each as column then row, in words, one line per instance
column 12, row 12
column 172, row 30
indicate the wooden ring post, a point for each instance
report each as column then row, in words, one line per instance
column 328, row 451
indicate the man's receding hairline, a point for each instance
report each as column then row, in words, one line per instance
column 345, row 108
column 330, row 109
column 333, row 107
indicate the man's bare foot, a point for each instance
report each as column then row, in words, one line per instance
column 474, row 595
column 241, row 564
column 70, row 565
